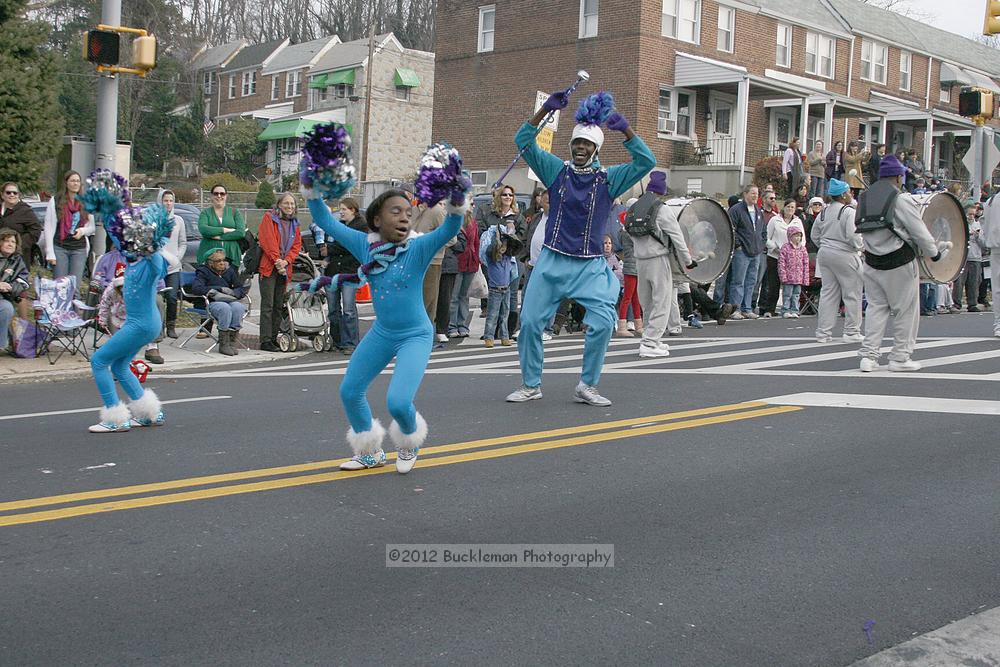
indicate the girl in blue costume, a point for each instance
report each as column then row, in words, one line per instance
column 140, row 239
column 572, row 264
column 394, row 260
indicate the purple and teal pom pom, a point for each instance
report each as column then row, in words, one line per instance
column 326, row 161
column 595, row 109
column 106, row 193
column 440, row 175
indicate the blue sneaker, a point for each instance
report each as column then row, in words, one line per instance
column 363, row 461
column 693, row 321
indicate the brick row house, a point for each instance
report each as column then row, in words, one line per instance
column 713, row 86
column 289, row 88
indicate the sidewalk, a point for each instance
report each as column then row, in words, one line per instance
column 193, row 355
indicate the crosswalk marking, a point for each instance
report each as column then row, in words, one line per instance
column 883, row 402
column 797, row 356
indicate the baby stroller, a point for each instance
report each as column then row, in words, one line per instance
column 305, row 313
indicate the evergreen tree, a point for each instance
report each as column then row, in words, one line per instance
column 265, row 195
column 234, row 148
column 30, row 123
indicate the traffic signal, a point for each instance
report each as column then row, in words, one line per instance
column 975, row 102
column 101, row 47
column 144, row 52
column 991, row 25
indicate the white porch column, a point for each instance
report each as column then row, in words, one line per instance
column 828, row 125
column 928, row 157
column 742, row 114
column 803, row 125
column 883, row 128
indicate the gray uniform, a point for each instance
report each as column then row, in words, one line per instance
column 990, row 237
column 655, row 282
column 895, row 291
column 839, row 262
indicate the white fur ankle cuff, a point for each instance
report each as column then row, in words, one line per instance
column 146, row 406
column 117, row 414
column 366, row 442
column 408, row 440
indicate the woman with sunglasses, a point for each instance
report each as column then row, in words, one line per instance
column 221, row 226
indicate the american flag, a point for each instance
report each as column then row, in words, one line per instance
column 208, row 127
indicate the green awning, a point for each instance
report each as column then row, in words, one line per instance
column 406, row 78
column 341, row 76
column 318, row 82
column 286, row 129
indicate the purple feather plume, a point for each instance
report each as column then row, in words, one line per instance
column 595, row 109
column 440, row 174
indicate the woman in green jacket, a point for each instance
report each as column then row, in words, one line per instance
column 221, row 226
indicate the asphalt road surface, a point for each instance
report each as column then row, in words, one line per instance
column 766, row 503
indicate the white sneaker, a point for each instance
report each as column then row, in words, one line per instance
column 750, row 315
column 362, row 461
column 853, row 338
column 585, row 393
column 824, row 339
column 405, row 458
column 904, row 366
column 737, row 316
column 996, row 334
column 441, row 338
column 647, row 352
column 523, row 394
column 110, row 427
column 868, row 365
column 767, row 315
column 546, row 336
column 794, row 316
column 786, row 315
column 675, row 332
column 630, row 326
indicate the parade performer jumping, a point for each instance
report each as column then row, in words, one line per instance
column 571, row 264
column 393, row 261
column 140, row 236
column 893, row 233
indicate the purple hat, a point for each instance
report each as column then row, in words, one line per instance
column 657, row 182
column 890, row 166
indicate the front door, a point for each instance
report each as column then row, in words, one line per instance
column 721, row 139
column 782, row 129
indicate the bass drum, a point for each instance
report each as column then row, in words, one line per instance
column 944, row 217
column 709, row 235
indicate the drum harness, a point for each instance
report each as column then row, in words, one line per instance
column 883, row 220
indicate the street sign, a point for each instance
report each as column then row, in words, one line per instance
column 544, row 138
column 540, row 98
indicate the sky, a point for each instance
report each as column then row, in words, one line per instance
column 964, row 17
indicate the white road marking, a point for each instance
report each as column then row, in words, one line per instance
column 28, row 415
column 100, row 465
column 958, row 406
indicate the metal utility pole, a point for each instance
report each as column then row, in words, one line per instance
column 368, row 99
column 106, row 141
column 979, row 157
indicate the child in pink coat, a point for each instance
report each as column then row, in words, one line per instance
column 793, row 269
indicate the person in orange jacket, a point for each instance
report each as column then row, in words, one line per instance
column 280, row 240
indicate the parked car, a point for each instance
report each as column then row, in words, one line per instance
column 485, row 201
column 189, row 214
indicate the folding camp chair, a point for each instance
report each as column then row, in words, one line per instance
column 58, row 317
column 199, row 310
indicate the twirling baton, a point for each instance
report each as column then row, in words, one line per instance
column 581, row 77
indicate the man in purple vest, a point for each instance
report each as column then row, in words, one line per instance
column 572, row 264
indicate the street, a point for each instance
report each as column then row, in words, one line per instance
column 767, row 504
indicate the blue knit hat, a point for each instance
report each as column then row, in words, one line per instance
column 837, row 187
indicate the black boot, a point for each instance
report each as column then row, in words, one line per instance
column 225, row 343
column 172, row 330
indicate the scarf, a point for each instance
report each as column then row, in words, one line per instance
column 286, row 228
column 382, row 254
column 69, row 218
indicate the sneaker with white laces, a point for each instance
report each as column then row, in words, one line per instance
column 630, row 326
column 737, row 315
column 750, row 315
column 868, row 365
column 524, row 393
column 546, row 336
column 675, row 332
column 853, row 338
column 794, row 316
column 585, row 393
column 904, row 366
column 824, row 339
column 145, row 421
column 363, row 461
column 405, row 458
column 646, row 352
column 786, row 315
column 441, row 338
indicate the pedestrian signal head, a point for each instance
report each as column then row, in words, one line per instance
column 101, row 47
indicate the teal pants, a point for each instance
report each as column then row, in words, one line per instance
column 588, row 281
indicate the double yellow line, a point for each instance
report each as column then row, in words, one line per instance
column 112, row 500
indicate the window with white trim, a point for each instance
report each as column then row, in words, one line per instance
column 945, row 93
column 487, row 28
column 727, row 29
column 206, row 82
column 588, row 18
column 249, row 83
column 345, row 90
column 783, row 52
column 293, row 84
column 674, row 112
column 479, row 179
column 821, row 54
column 232, row 86
column 874, row 57
column 905, row 68
column 274, row 87
column 682, row 20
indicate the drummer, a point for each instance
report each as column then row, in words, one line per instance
column 893, row 232
column 838, row 259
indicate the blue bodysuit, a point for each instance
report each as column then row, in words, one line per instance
column 402, row 328
column 142, row 326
